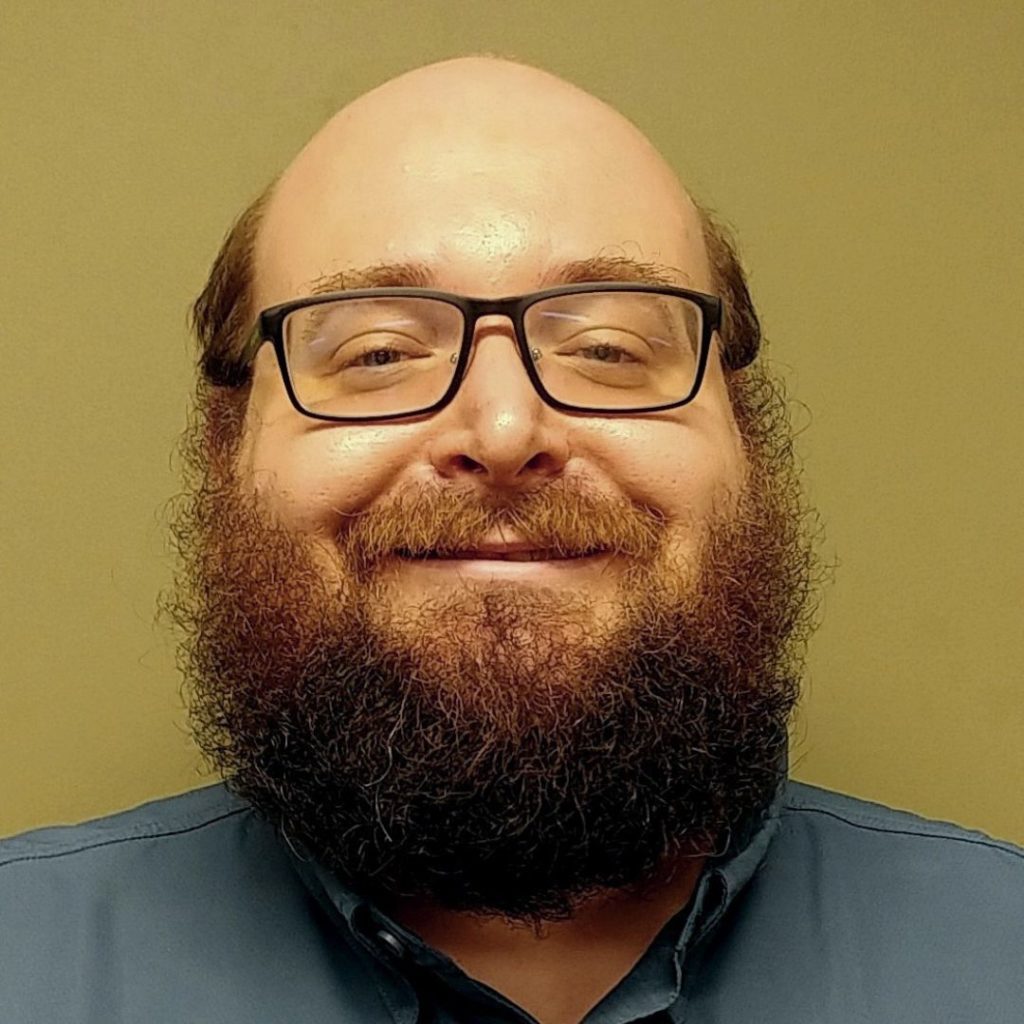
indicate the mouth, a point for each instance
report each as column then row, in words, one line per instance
column 513, row 553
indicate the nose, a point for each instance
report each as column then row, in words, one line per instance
column 498, row 432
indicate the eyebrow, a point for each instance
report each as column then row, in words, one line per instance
column 413, row 274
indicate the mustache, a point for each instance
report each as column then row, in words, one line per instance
column 557, row 517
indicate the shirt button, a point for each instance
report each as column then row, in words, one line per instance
column 392, row 942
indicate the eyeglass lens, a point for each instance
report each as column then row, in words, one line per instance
column 384, row 356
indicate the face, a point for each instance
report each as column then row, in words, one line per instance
column 489, row 207
column 466, row 693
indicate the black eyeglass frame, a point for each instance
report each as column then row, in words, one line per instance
column 270, row 328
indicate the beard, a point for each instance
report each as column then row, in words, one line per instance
column 495, row 749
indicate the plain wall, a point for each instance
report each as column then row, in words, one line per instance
column 870, row 157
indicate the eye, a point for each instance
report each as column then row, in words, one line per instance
column 377, row 350
column 605, row 353
column 383, row 355
column 605, row 346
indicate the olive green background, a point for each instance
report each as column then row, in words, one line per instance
column 870, row 157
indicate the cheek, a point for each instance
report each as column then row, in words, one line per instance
column 311, row 474
column 312, row 477
column 688, row 467
column 698, row 487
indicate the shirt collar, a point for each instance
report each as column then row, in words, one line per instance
column 745, row 850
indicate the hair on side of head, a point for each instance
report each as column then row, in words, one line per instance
column 222, row 315
column 741, row 328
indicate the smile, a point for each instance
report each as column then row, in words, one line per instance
column 520, row 563
column 536, row 555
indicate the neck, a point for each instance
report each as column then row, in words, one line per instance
column 561, row 970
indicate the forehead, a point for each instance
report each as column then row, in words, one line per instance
column 488, row 202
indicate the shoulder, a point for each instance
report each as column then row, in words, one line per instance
column 187, row 814
column 171, row 911
column 857, row 908
column 159, row 876
column 848, row 819
column 140, row 853
column 880, row 871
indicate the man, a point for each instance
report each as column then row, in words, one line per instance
column 496, row 578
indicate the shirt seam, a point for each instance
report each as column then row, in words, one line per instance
column 98, row 844
column 991, row 844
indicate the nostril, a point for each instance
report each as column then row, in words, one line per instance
column 464, row 464
column 542, row 462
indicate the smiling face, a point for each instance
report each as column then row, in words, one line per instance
column 495, row 734
column 435, row 179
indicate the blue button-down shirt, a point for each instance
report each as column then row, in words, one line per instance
column 825, row 910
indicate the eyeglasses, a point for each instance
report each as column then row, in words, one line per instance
column 393, row 353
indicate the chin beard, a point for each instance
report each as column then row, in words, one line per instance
column 493, row 751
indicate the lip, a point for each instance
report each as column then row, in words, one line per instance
column 516, row 553
column 506, row 561
column 495, row 551
column 498, row 547
column 547, row 568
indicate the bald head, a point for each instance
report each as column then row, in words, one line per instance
column 489, row 171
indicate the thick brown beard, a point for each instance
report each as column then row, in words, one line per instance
column 521, row 783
